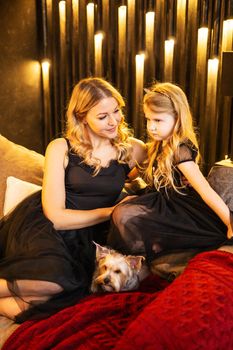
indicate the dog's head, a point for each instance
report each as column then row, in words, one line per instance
column 115, row 272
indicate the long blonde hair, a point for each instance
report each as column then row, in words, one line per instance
column 169, row 98
column 86, row 94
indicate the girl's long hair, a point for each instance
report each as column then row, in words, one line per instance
column 159, row 167
column 86, row 94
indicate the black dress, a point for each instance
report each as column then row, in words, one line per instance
column 167, row 227
column 30, row 247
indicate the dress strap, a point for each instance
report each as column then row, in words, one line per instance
column 68, row 143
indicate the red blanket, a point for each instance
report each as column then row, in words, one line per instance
column 194, row 312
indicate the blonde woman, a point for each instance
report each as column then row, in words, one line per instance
column 173, row 221
column 48, row 255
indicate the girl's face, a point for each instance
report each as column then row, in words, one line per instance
column 160, row 125
column 103, row 119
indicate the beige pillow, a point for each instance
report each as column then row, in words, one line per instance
column 20, row 162
column 16, row 191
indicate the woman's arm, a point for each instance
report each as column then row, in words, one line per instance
column 53, row 193
column 196, row 179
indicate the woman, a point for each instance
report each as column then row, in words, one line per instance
column 47, row 254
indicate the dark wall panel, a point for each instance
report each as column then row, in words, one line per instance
column 20, row 82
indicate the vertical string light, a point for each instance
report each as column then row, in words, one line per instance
column 227, row 35
column 98, row 54
column 105, row 12
column 202, row 50
column 62, row 27
column 226, row 107
column 131, row 24
column 90, row 35
column 168, row 60
column 150, row 29
column 106, row 49
column 191, row 48
column 201, row 70
column 62, row 22
column 45, row 65
column 138, row 117
column 121, row 42
column 75, row 39
column 180, row 39
column 211, row 120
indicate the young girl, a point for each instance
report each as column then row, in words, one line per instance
column 173, row 221
column 47, row 254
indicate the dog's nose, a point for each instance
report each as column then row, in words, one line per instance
column 106, row 280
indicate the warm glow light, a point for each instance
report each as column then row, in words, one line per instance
column 75, row 10
column 202, row 42
column 181, row 15
column 121, row 35
column 62, row 10
column 213, row 68
column 192, row 5
column 105, row 12
column 181, row 7
column 227, row 35
column 131, row 22
column 90, row 31
column 168, row 59
column 201, row 67
column 138, row 123
column 211, row 103
column 140, row 61
column 180, row 38
column 98, row 54
column 150, row 20
column 45, row 65
column 62, row 19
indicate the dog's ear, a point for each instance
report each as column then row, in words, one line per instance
column 101, row 252
column 135, row 262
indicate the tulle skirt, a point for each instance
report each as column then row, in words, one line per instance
column 167, row 228
column 31, row 249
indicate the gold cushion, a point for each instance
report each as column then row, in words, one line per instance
column 20, row 162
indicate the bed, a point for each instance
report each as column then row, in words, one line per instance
column 193, row 312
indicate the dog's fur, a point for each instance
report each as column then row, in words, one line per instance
column 116, row 272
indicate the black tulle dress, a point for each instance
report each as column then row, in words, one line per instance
column 166, row 227
column 30, row 247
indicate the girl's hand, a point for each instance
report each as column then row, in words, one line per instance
column 127, row 198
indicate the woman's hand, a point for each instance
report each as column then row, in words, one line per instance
column 229, row 232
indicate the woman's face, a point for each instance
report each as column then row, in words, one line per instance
column 103, row 119
column 160, row 125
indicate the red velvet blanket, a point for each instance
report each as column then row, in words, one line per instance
column 194, row 312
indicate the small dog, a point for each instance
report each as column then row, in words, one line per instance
column 116, row 272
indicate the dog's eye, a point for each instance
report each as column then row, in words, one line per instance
column 117, row 271
column 104, row 267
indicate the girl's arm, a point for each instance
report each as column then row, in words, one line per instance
column 53, row 193
column 196, row 179
column 139, row 154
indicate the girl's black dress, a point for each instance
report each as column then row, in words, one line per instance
column 30, row 247
column 166, row 226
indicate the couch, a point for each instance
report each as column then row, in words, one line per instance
column 193, row 312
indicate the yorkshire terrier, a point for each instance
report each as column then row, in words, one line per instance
column 116, row 272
